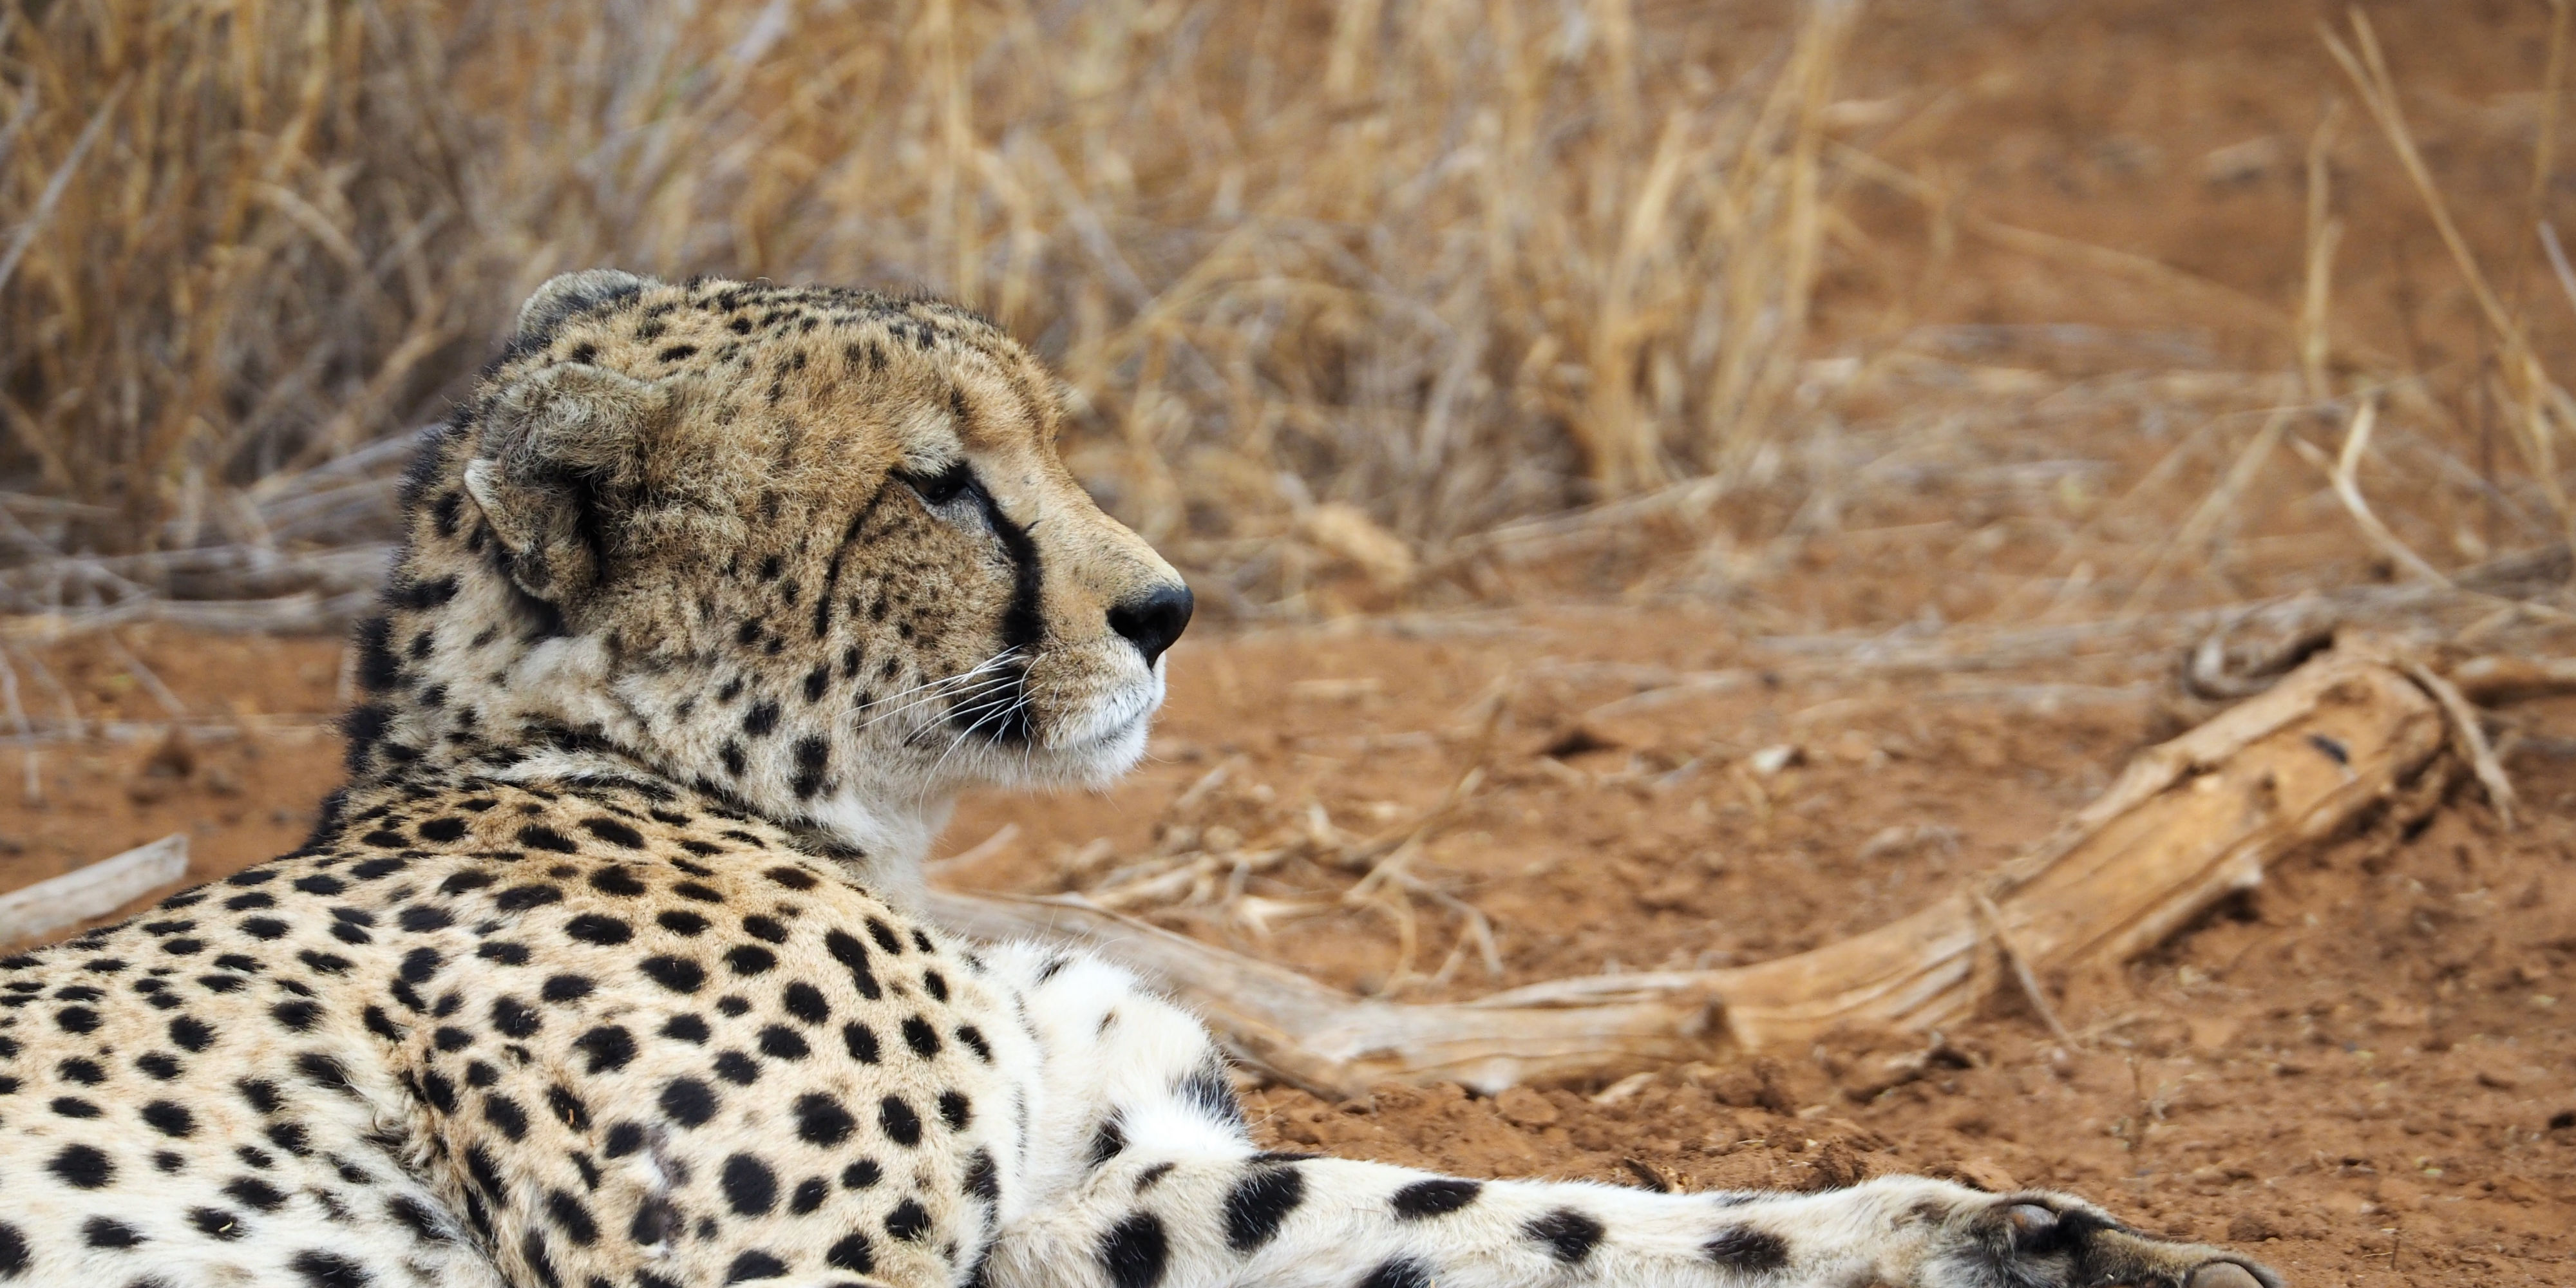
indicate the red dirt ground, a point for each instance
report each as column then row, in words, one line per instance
column 2362, row 1070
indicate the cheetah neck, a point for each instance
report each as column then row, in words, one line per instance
column 463, row 678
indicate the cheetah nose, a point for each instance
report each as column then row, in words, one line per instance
column 1152, row 621
column 2224, row 1274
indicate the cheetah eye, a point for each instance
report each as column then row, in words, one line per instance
column 941, row 488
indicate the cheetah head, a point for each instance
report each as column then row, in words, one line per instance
column 809, row 547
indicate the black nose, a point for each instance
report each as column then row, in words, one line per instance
column 1152, row 621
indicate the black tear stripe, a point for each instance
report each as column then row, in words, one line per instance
column 1023, row 626
column 1024, row 620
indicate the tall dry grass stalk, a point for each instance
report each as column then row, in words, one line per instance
column 2543, row 412
column 1443, row 262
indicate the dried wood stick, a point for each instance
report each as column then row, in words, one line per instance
column 2473, row 740
column 2187, row 823
column 2499, row 679
column 93, row 891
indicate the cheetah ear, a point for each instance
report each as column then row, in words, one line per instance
column 560, row 464
column 566, row 294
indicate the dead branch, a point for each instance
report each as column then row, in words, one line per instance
column 2493, row 681
column 93, row 891
column 2187, row 823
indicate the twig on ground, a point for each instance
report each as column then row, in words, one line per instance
column 93, row 891
column 2472, row 740
column 2019, row 966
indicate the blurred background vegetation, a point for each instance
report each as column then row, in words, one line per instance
column 1358, row 301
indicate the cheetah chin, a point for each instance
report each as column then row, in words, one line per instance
column 605, row 969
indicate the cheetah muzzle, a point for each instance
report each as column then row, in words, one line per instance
column 602, row 970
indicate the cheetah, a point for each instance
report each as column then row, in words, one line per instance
column 604, row 969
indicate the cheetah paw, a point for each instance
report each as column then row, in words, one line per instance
column 2034, row 1240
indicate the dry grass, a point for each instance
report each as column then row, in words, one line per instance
column 1374, row 293
column 1415, row 268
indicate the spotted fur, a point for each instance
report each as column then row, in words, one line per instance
column 603, row 970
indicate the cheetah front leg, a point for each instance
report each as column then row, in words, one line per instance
column 1196, row 1222
column 1144, row 1177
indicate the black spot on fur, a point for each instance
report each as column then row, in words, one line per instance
column 506, row 1115
column 1432, row 1198
column 688, row 1102
column 592, row 928
column 1212, row 1093
column 378, row 669
column 101, row 1232
column 678, row 974
column 813, row 758
column 900, row 1124
column 1748, row 1251
column 923, row 1039
column 750, row 1188
column 515, row 1018
column 250, row 1191
column 739, row 1069
column 908, row 1222
column 820, row 1120
column 1569, row 1235
column 539, row 837
column 214, row 1223
column 82, row 1167
column 327, row 1270
column 614, row 832
column 853, row 1253
column 846, row 949
column 754, row 1265
column 983, row 1177
column 1108, row 1141
column 806, row 1003
column 861, row 1042
column 520, row 898
column 1135, row 1251
column 1259, row 1203
column 885, row 936
column 170, row 1118
column 1401, row 1272
column 571, row 1217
